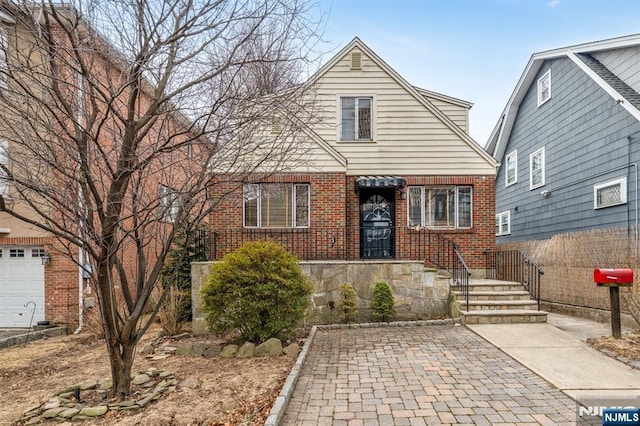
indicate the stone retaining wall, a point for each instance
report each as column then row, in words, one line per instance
column 419, row 293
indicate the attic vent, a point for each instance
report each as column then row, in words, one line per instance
column 276, row 125
column 356, row 60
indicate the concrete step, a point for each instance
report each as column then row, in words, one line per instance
column 494, row 285
column 494, row 295
column 508, row 316
column 492, row 305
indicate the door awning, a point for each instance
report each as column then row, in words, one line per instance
column 379, row 182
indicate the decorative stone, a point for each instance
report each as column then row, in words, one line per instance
column 89, row 384
column 229, row 351
column 291, row 350
column 160, row 357
column 247, row 350
column 168, row 349
column 165, row 374
column 153, row 372
column 213, row 351
column 53, row 412
column 69, row 413
column 34, row 408
column 99, row 410
column 105, row 384
column 140, row 379
column 180, row 336
column 272, row 347
column 51, row 404
column 147, row 350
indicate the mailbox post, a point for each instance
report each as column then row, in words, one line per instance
column 614, row 279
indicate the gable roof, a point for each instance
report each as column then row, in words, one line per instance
column 418, row 94
column 581, row 55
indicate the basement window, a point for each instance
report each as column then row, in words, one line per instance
column 610, row 193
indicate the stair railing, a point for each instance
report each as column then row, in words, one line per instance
column 461, row 274
column 514, row 265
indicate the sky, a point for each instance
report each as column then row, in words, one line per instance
column 475, row 50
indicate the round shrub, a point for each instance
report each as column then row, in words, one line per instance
column 257, row 291
column 348, row 303
column 382, row 304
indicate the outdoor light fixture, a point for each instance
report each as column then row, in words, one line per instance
column 545, row 194
column 46, row 258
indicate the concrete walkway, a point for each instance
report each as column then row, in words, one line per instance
column 421, row 375
column 557, row 351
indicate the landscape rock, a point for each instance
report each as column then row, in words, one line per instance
column 180, row 336
column 247, row 350
column 148, row 350
column 213, row 351
column 272, row 347
column 105, row 384
column 140, row 379
column 291, row 350
column 229, row 351
column 69, row 413
column 53, row 412
column 99, row 410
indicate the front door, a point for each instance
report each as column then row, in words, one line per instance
column 377, row 213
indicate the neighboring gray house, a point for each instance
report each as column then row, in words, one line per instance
column 568, row 144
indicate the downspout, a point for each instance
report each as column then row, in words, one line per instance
column 81, row 262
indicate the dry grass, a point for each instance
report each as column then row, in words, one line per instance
column 626, row 347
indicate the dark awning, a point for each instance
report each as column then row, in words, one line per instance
column 379, row 182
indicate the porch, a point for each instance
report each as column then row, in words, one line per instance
column 348, row 243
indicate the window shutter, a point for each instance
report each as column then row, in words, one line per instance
column 356, row 60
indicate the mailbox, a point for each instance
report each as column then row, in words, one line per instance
column 613, row 277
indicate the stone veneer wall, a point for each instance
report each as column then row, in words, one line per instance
column 419, row 293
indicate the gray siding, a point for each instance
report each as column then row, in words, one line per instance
column 588, row 139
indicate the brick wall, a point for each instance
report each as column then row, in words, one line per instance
column 335, row 205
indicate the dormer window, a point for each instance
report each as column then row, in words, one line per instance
column 356, row 118
column 544, row 88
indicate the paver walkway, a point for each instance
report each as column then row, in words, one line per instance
column 419, row 375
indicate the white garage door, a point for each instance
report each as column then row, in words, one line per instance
column 21, row 282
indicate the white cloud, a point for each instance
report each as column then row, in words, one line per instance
column 553, row 3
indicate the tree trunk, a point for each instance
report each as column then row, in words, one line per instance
column 121, row 356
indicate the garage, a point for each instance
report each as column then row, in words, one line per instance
column 21, row 282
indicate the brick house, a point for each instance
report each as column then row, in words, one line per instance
column 35, row 265
column 389, row 172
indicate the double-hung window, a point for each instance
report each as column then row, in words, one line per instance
column 544, row 88
column 503, row 223
column 356, row 118
column 511, row 174
column 169, row 204
column 536, row 169
column 440, row 206
column 276, row 205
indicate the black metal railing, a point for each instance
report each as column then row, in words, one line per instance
column 461, row 274
column 350, row 243
column 513, row 265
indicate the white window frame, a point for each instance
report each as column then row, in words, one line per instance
column 622, row 182
column 499, row 223
column 546, row 77
column 423, row 212
column 340, row 97
column 294, row 192
column 511, row 161
column 169, row 204
column 540, row 152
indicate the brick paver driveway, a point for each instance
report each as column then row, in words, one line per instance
column 418, row 376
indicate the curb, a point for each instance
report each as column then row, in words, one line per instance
column 282, row 401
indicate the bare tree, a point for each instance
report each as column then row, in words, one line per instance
column 115, row 113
